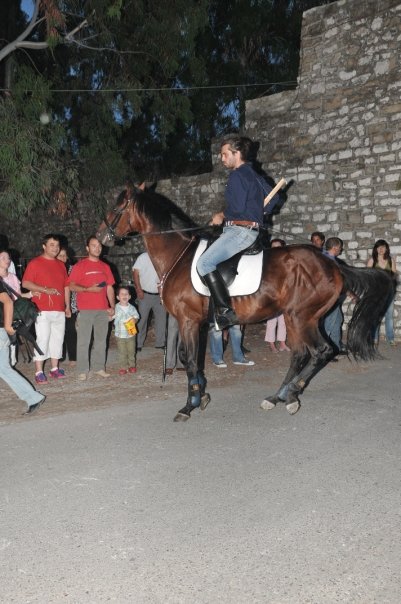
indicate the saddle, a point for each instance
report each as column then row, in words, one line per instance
column 242, row 273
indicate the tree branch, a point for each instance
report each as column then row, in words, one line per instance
column 21, row 42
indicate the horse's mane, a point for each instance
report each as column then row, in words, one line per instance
column 161, row 211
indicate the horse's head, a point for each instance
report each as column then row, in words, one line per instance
column 121, row 219
column 142, row 211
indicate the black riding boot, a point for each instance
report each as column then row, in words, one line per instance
column 224, row 314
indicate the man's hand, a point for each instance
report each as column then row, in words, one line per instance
column 94, row 289
column 217, row 219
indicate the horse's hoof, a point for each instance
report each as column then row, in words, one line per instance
column 205, row 400
column 266, row 405
column 181, row 417
column 292, row 408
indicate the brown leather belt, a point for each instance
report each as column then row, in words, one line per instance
column 244, row 223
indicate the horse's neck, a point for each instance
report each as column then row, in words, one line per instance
column 164, row 250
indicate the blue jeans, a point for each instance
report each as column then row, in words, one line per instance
column 22, row 388
column 216, row 344
column 332, row 325
column 234, row 239
column 388, row 323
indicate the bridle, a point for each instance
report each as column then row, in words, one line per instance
column 110, row 231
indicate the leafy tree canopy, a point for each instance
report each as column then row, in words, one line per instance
column 134, row 88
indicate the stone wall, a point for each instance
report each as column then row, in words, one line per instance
column 337, row 136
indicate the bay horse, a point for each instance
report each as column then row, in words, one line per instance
column 297, row 280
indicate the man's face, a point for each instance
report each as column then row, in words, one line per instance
column 337, row 249
column 94, row 248
column 51, row 248
column 230, row 159
column 317, row 242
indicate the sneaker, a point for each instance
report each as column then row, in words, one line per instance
column 244, row 362
column 40, row 378
column 392, row 343
column 220, row 364
column 131, row 369
column 35, row 406
column 82, row 377
column 102, row 373
column 57, row 373
column 122, row 372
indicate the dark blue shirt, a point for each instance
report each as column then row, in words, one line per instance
column 245, row 193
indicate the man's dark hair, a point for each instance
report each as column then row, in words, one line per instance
column 243, row 144
column 46, row 238
column 281, row 242
column 319, row 234
column 333, row 242
column 90, row 239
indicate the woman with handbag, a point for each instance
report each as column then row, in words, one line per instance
column 22, row 388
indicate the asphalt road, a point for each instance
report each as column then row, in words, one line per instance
column 238, row 505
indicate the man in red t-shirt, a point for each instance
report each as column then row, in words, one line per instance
column 46, row 278
column 93, row 281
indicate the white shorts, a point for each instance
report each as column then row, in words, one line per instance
column 50, row 328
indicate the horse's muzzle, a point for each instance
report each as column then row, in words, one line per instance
column 106, row 237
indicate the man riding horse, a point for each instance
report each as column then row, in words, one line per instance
column 242, row 217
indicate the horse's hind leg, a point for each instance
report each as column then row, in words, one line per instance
column 304, row 365
column 318, row 359
column 298, row 361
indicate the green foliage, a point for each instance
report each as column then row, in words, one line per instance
column 146, row 86
column 33, row 163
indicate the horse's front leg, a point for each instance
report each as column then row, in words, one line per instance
column 203, row 335
column 196, row 379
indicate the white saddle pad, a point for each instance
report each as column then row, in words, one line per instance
column 246, row 282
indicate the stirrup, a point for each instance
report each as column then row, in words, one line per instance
column 225, row 319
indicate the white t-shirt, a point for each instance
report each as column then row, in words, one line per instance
column 11, row 268
column 147, row 274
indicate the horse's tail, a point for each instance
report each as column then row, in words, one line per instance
column 374, row 290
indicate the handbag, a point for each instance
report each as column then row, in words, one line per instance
column 25, row 313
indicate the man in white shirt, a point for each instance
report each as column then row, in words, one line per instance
column 146, row 284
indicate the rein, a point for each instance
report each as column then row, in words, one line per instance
column 118, row 212
column 167, row 273
column 199, row 228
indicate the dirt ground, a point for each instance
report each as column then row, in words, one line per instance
column 71, row 395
